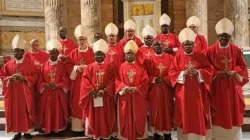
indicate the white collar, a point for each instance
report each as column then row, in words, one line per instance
column 83, row 50
column 112, row 45
column 34, row 52
column 220, row 47
column 158, row 54
column 188, row 54
column 53, row 62
column 64, row 39
column 145, row 46
column 19, row 61
column 130, row 62
column 99, row 63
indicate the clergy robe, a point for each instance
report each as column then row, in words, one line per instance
column 143, row 54
column 101, row 120
column 67, row 46
column 115, row 55
column 132, row 106
column 39, row 57
column 171, row 39
column 53, row 108
column 124, row 41
column 160, row 95
column 76, row 58
column 229, row 100
column 19, row 96
column 191, row 93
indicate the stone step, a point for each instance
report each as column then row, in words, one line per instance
column 2, row 124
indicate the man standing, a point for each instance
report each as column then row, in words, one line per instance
column 67, row 44
column 19, row 78
column 170, row 41
column 200, row 42
column 115, row 54
column 77, row 61
column 53, row 86
column 39, row 56
column 97, row 95
column 229, row 76
column 191, row 74
column 131, row 90
column 129, row 28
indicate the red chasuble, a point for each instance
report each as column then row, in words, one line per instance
column 124, row 41
column 132, row 106
column 39, row 58
column 170, row 39
column 115, row 55
column 144, row 53
column 160, row 94
column 67, row 46
column 191, row 96
column 77, row 58
column 100, row 120
column 19, row 96
column 53, row 108
column 227, row 92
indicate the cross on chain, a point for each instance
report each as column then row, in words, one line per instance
column 226, row 60
column 190, row 66
column 148, row 54
column 81, row 62
column 161, row 67
column 52, row 75
column 131, row 74
column 166, row 43
column 111, row 53
column 17, row 72
column 64, row 49
column 99, row 75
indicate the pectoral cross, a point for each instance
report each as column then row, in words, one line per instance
column 17, row 72
column 190, row 66
column 111, row 53
column 52, row 75
column 226, row 60
column 161, row 67
column 99, row 75
column 64, row 49
column 148, row 54
column 166, row 43
column 131, row 74
column 81, row 62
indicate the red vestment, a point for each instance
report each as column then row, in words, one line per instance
column 143, row 54
column 124, row 41
column 115, row 55
column 191, row 96
column 39, row 58
column 132, row 106
column 100, row 120
column 19, row 96
column 170, row 39
column 77, row 58
column 160, row 95
column 227, row 92
column 53, row 108
column 67, row 46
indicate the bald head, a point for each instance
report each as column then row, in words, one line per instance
column 63, row 32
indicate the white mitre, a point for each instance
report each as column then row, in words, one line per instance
column 148, row 30
column 187, row 34
column 129, row 24
column 111, row 29
column 101, row 45
column 81, row 31
column 164, row 19
column 193, row 21
column 53, row 44
column 224, row 26
column 18, row 42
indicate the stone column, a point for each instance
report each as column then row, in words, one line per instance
column 198, row 8
column 237, row 12
column 54, row 18
column 91, row 17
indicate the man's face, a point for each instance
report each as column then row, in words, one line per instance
column 112, row 39
column 18, row 53
column 53, row 54
column 164, row 29
column 99, row 56
column 194, row 28
column 157, row 46
column 130, row 56
column 35, row 45
column 148, row 40
column 188, row 46
column 130, row 33
column 83, row 41
column 98, row 36
column 62, row 32
column 224, row 39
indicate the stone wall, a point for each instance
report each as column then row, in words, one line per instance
column 179, row 15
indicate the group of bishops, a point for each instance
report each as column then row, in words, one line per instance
column 127, row 89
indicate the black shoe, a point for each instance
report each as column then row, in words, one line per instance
column 17, row 137
column 59, row 134
column 49, row 134
column 79, row 134
column 27, row 136
column 157, row 137
column 167, row 136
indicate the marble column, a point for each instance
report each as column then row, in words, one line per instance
column 237, row 12
column 91, row 17
column 54, row 18
column 198, row 8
